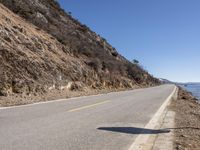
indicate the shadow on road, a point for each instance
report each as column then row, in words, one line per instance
column 133, row 130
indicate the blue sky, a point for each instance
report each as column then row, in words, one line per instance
column 164, row 35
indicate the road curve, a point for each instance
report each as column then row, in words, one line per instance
column 104, row 122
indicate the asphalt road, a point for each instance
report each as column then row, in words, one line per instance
column 104, row 122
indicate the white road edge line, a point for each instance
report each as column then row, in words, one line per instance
column 142, row 139
column 50, row 101
column 66, row 99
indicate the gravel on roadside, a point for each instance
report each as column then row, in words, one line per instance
column 187, row 121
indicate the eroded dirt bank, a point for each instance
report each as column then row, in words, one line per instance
column 24, row 99
column 37, row 65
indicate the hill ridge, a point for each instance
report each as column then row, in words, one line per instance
column 35, row 60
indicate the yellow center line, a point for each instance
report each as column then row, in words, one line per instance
column 88, row 106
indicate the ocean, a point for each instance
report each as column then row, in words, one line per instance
column 194, row 88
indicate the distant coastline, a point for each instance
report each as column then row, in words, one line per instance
column 194, row 88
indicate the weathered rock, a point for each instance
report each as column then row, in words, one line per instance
column 76, row 86
column 60, row 49
column 40, row 18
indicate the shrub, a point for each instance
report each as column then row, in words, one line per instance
column 135, row 61
column 85, row 51
column 115, row 54
column 95, row 64
column 83, row 28
column 135, row 72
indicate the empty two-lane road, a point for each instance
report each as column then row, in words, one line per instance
column 104, row 122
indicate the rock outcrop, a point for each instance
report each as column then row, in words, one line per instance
column 43, row 48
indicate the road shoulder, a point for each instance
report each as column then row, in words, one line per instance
column 158, row 125
column 187, row 121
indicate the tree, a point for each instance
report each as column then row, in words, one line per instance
column 135, row 61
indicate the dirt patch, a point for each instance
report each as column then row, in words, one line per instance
column 23, row 99
column 33, row 62
column 187, row 121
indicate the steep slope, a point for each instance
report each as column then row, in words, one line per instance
column 33, row 61
column 69, row 57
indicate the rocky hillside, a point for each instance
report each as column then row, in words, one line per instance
column 43, row 48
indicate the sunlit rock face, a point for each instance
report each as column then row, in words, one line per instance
column 43, row 48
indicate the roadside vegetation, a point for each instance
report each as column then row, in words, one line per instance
column 47, row 49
